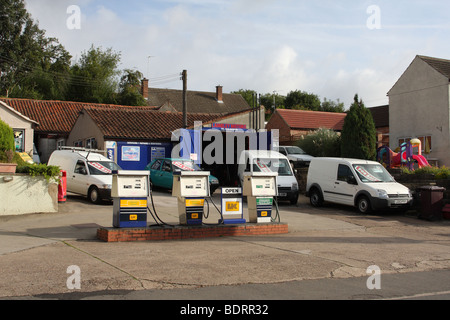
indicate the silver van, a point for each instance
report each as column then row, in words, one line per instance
column 271, row 161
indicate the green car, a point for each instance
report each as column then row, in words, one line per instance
column 161, row 172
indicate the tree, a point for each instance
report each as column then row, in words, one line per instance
column 268, row 100
column 248, row 95
column 31, row 65
column 358, row 139
column 302, row 100
column 331, row 106
column 129, row 93
column 94, row 76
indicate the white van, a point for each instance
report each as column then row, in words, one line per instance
column 271, row 161
column 367, row 185
column 88, row 173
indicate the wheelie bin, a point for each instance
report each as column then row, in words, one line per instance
column 432, row 201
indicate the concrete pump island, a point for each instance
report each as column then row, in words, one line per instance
column 132, row 196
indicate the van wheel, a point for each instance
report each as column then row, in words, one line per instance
column 363, row 205
column 315, row 198
column 94, row 195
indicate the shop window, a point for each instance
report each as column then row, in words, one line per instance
column 19, row 140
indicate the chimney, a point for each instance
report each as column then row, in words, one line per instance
column 219, row 96
column 144, row 88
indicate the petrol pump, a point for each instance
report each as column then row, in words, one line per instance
column 231, row 206
column 130, row 191
column 260, row 188
column 191, row 188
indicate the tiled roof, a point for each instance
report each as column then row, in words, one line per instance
column 440, row 65
column 11, row 109
column 137, row 123
column 311, row 120
column 53, row 116
column 198, row 101
column 114, row 120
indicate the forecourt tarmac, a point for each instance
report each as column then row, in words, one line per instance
column 38, row 251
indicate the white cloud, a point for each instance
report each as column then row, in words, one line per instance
column 320, row 47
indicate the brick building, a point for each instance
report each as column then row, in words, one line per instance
column 292, row 124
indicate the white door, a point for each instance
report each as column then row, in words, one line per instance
column 77, row 181
column 345, row 186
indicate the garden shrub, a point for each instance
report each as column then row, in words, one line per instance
column 6, row 142
column 40, row 170
column 438, row 172
column 321, row 143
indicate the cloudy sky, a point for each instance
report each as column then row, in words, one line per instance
column 334, row 49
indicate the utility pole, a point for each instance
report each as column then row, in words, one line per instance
column 258, row 114
column 253, row 111
column 274, row 105
column 184, row 78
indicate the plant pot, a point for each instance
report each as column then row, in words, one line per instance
column 8, row 167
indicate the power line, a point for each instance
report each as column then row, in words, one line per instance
column 79, row 80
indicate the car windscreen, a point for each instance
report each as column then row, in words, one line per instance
column 185, row 166
column 372, row 173
column 294, row 150
column 281, row 166
column 102, row 167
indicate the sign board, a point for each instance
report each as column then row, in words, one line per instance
column 228, row 126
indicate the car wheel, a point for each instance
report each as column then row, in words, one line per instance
column 315, row 198
column 94, row 195
column 363, row 205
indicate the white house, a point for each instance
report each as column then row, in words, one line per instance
column 419, row 107
column 23, row 127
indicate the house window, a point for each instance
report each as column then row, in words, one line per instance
column 78, row 143
column 19, row 140
column 91, row 143
column 60, row 143
column 426, row 143
column 403, row 140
